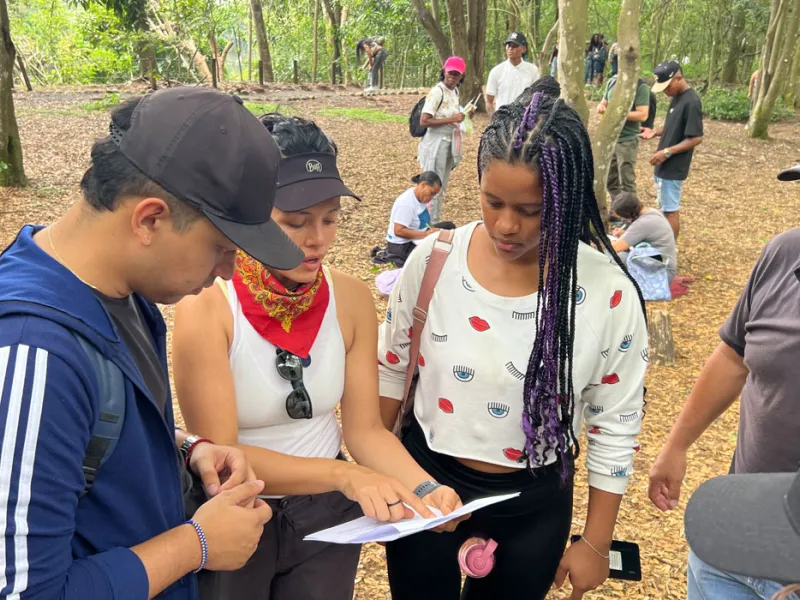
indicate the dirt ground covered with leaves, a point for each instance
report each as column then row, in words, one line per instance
column 732, row 206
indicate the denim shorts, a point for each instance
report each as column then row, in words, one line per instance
column 707, row 583
column 668, row 194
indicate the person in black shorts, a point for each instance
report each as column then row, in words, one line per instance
column 681, row 133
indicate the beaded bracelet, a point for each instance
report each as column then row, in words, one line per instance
column 203, row 543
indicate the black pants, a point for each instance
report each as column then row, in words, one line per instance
column 531, row 532
column 399, row 253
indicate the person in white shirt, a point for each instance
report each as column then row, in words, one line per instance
column 532, row 330
column 262, row 361
column 510, row 78
column 410, row 221
column 440, row 148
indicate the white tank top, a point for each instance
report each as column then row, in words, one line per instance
column 261, row 392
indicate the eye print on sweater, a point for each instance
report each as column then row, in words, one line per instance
column 439, row 339
column 405, row 345
column 463, row 374
column 580, row 296
column 389, row 315
column 515, row 372
column 466, row 285
column 645, row 354
column 631, row 418
column 626, row 343
column 523, row 316
column 595, row 409
column 498, row 410
column 604, row 353
column 619, row 471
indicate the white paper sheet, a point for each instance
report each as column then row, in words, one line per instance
column 365, row 529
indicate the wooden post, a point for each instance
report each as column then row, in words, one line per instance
column 296, row 72
column 662, row 344
column 424, row 73
column 260, row 73
column 214, row 71
column 24, row 72
column 250, row 44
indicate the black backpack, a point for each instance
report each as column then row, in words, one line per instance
column 415, row 129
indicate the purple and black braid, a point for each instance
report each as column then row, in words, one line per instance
column 540, row 130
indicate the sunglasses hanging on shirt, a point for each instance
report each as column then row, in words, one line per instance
column 290, row 368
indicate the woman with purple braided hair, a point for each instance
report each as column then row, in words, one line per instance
column 534, row 328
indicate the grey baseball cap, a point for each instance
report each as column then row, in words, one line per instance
column 748, row 525
column 205, row 148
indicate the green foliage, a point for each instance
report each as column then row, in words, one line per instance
column 258, row 108
column 371, row 115
column 724, row 104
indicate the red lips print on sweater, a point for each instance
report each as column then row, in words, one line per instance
column 616, row 299
column 478, row 324
column 610, row 379
column 513, row 454
column 445, row 405
column 392, row 358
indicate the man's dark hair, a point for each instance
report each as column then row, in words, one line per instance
column 112, row 177
column 550, row 138
column 297, row 136
column 429, row 177
column 626, row 206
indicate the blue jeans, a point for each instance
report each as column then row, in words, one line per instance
column 668, row 194
column 707, row 583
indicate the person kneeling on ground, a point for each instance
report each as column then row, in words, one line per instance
column 644, row 225
column 410, row 221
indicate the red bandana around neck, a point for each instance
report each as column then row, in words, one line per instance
column 287, row 319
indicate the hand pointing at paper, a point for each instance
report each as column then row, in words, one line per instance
column 446, row 500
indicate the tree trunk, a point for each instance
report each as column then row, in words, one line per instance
column 333, row 10
column 434, row 29
column 605, row 138
column 315, row 59
column 163, row 28
column 263, row 42
column 513, row 16
column 24, row 72
column 779, row 46
column 793, row 93
column 468, row 32
column 716, row 42
column 573, row 33
column 661, row 344
column 730, row 71
column 221, row 61
column 544, row 55
column 345, row 62
column 148, row 67
column 250, row 43
column 12, row 172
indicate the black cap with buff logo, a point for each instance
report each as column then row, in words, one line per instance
column 205, row 148
column 305, row 180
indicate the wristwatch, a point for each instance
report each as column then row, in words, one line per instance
column 667, row 153
column 188, row 446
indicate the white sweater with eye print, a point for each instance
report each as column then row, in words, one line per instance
column 474, row 354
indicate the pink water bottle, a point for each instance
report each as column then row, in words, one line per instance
column 476, row 557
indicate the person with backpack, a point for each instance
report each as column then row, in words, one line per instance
column 516, row 329
column 262, row 362
column 622, row 171
column 92, row 505
column 441, row 117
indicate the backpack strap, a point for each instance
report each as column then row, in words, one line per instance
column 432, row 271
column 108, row 427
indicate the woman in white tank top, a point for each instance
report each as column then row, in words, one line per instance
column 261, row 362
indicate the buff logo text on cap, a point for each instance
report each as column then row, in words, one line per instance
column 314, row 166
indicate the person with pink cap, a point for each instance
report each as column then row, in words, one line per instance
column 440, row 148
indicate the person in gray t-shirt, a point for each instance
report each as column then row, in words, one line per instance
column 645, row 225
column 756, row 359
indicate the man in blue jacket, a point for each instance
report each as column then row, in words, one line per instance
column 185, row 177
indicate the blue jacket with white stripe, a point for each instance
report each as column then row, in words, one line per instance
column 57, row 546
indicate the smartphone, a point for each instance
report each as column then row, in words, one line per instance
column 624, row 560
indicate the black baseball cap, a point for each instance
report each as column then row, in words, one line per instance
column 206, row 149
column 515, row 37
column 664, row 73
column 305, row 180
column 790, row 174
column 748, row 525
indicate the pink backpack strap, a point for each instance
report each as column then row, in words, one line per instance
column 441, row 248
